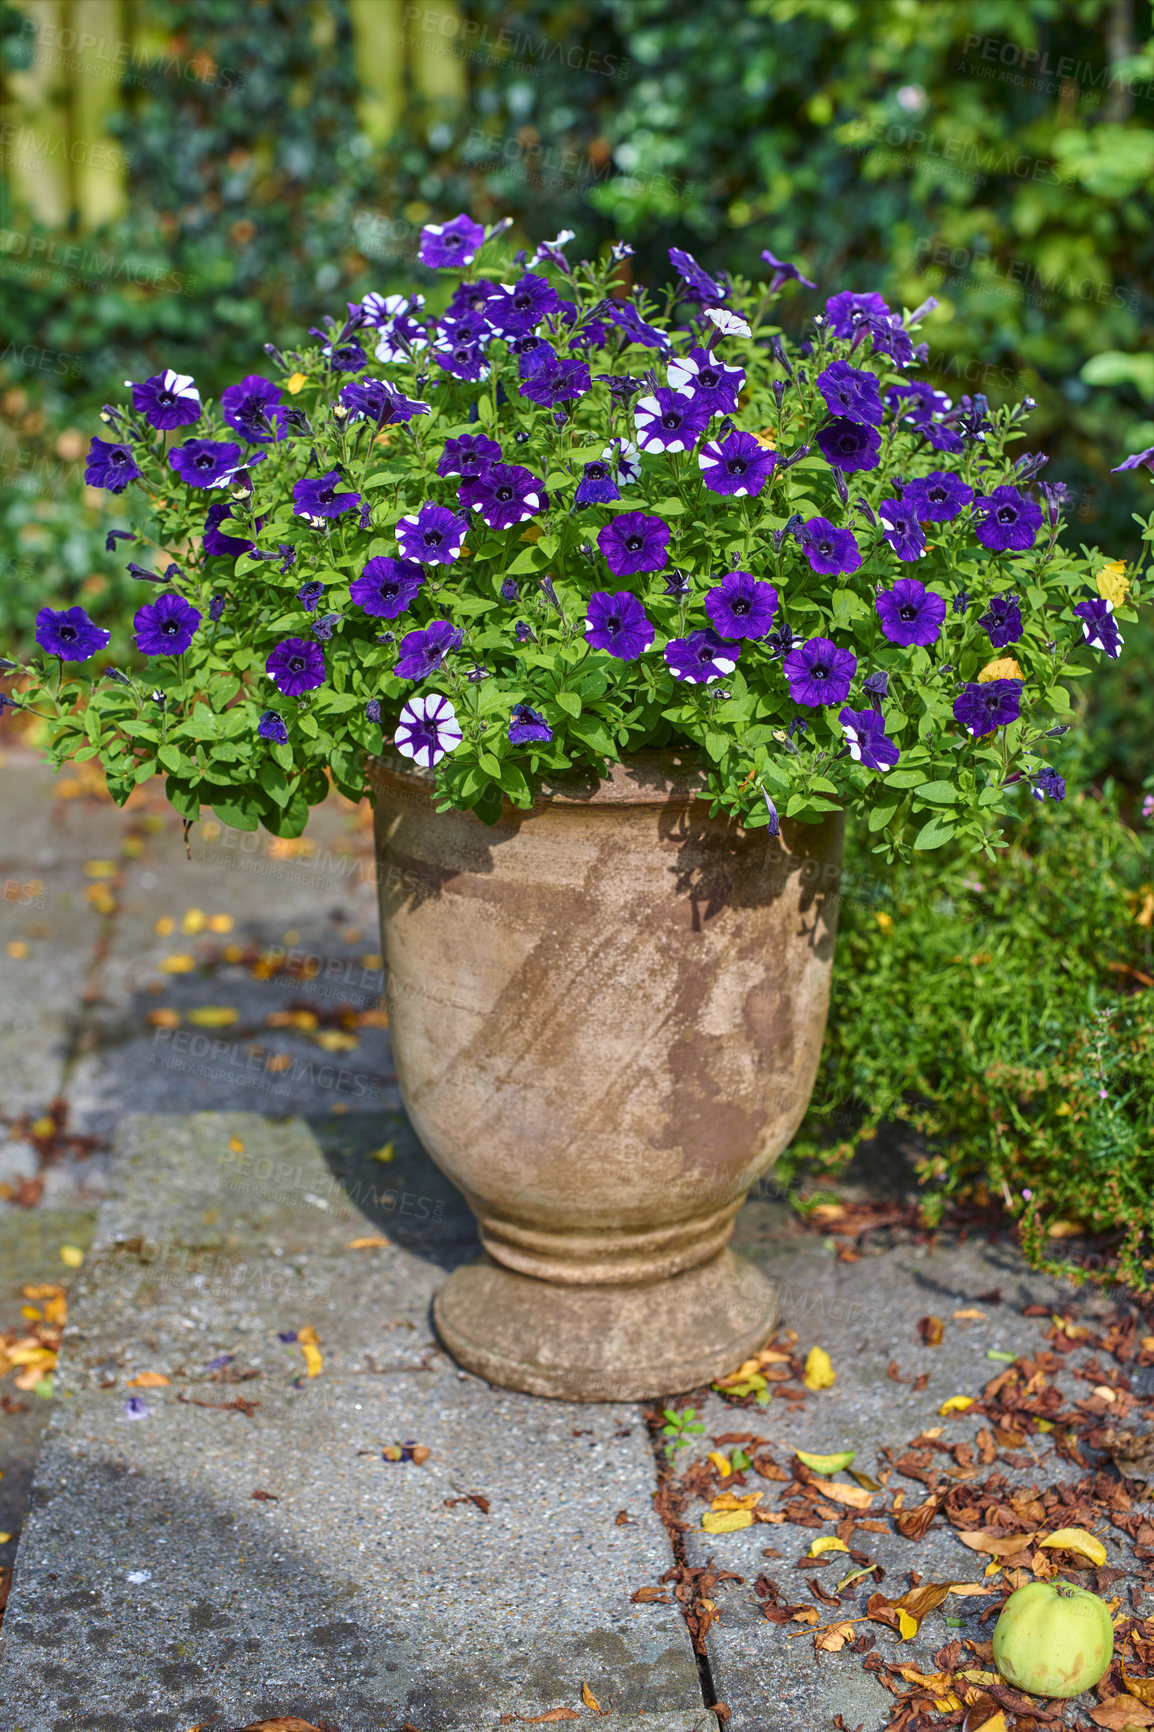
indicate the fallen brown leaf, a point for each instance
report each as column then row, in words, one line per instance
column 553, row 1714
column 646, row 1596
column 1142, row 1688
column 1120, row 1713
column 266, row 1496
column 997, row 1545
column 289, row 1725
column 931, row 1330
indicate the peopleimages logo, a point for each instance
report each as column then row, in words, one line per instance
column 1036, row 64
column 43, row 254
column 470, row 37
column 122, row 60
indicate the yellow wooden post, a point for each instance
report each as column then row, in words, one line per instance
column 99, row 160
column 379, row 58
column 36, row 155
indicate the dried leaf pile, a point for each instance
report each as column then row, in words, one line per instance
column 1071, row 1401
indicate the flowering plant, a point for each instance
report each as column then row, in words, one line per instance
column 554, row 525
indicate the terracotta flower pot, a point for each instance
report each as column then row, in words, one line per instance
column 606, row 1016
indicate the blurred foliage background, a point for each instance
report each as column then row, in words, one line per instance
column 184, row 180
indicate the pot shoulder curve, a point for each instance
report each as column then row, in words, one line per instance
column 643, row 779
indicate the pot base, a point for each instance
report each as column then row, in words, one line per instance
column 605, row 1343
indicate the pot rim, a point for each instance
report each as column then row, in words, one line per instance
column 672, row 778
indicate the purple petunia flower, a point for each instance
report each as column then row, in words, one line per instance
column 69, row 633
column 917, row 403
column 296, row 665
column 380, row 402
column 462, row 359
column 468, row 455
column 626, row 317
column 1099, row 626
column 515, row 308
column 446, row 245
column 551, row 250
column 528, row 724
column 1139, row 460
column 556, row 382
column 877, row 685
column 166, row 626
column 506, row 494
column 434, row 535
column 741, row 606
column 422, row 652
column 701, row 657
column 868, row 742
column 166, row 400
column 205, row 462
column 910, row 613
column 900, row 526
column 216, row 543
column 852, row 394
column 271, row 727
column 110, row 466
column 937, row 498
column 427, row 729
column 136, row 1408
column 941, row 437
column 321, row 498
column 626, row 461
column 253, row 409
column 617, row 624
column 707, row 380
column 819, row 672
column 387, row 586
column 988, row 704
column 1047, row 784
column 737, row 466
column 669, row 421
column 1009, row 522
column 830, row 551
column 1002, row 620
column 700, row 286
column 533, row 353
column 845, row 309
column 847, row 446
column 633, row 543
column 597, row 486
column 784, row 273
column 310, row 595
column 216, row 606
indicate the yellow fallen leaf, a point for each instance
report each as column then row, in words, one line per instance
column 148, row 1380
column 17, row 950
column 1001, row 668
column 826, row 1543
column 720, row 1462
column 366, row 1243
column 233, row 953
column 907, row 1626
column 35, row 1355
column 726, row 1521
column 1113, row 583
column 970, row 1315
column 938, row 1682
column 165, row 1018
column 72, row 1255
column 1142, row 1689
column 590, row 1699
column 45, row 1127
column 294, row 382
column 386, row 1152
column 310, row 1347
column 853, row 1495
column 965, row 1589
column 819, row 1371
column 4, row 1538
column 1148, row 1343
column 181, row 963
column 100, row 868
column 730, row 1500
column 1077, row 1540
column 834, row 1637
column 236, row 1145
column 336, row 1040
column 996, row 1724
column 220, row 923
column 164, row 926
column 373, row 961
column 193, row 921
column 826, row 1463
column 956, row 1404
column 214, row 1016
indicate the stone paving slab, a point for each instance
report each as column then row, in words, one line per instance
column 152, row 1591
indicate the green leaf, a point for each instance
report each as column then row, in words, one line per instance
column 881, row 815
column 935, row 834
column 531, row 560
column 570, row 702
column 236, row 808
column 903, row 778
column 940, row 793
column 275, row 783
column 490, row 764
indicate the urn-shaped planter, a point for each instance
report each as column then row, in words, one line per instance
column 606, row 1017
